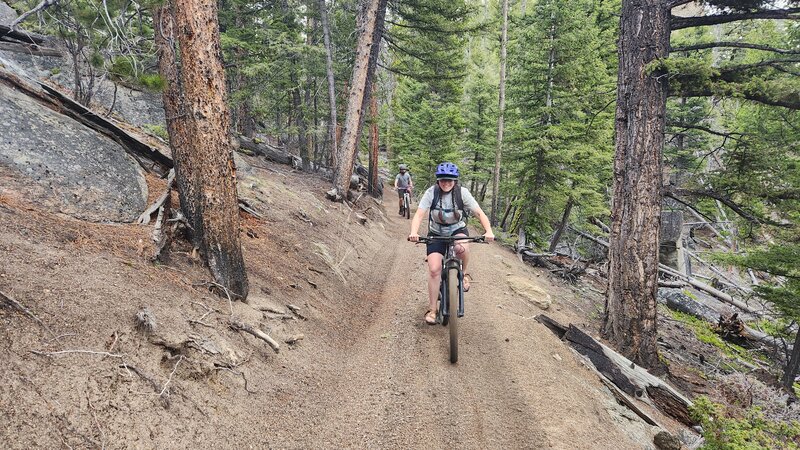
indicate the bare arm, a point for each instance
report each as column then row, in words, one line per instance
column 413, row 236
column 486, row 224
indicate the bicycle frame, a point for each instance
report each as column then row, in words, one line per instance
column 450, row 261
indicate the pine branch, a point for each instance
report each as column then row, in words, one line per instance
column 765, row 63
column 708, row 45
column 727, row 201
column 787, row 100
column 419, row 77
column 687, row 126
column 677, row 23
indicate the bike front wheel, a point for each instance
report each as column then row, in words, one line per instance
column 452, row 308
column 407, row 205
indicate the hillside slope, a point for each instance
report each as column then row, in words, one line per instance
column 362, row 371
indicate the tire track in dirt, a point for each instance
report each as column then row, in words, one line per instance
column 395, row 388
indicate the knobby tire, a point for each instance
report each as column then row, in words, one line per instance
column 452, row 307
column 407, row 206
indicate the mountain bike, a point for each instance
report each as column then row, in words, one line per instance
column 407, row 204
column 451, row 290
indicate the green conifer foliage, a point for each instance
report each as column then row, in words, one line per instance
column 561, row 93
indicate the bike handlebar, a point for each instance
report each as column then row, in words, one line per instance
column 432, row 239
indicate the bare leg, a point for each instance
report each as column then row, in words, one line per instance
column 462, row 253
column 434, row 278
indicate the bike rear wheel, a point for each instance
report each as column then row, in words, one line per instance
column 452, row 308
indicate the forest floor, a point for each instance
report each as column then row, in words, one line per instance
column 357, row 366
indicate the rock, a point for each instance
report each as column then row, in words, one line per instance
column 145, row 320
column 531, row 292
column 295, row 339
column 76, row 170
column 666, row 441
column 333, row 195
column 7, row 15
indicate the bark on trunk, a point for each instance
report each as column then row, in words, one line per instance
column 205, row 169
column 500, row 116
column 630, row 313
column 372, row 183
column 794, row 365
column 326, row 31
column 562, row 226
column 355, row 101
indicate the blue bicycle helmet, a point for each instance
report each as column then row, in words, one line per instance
column 447, row 171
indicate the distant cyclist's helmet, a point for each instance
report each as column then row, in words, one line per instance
column 447, row 171
column 403, row 167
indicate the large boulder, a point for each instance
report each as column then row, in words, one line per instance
column 7, row 15
column 76, row 170
column 529, row 291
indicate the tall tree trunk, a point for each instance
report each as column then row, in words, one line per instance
column 373, row 143
column 500, row 117
column 561, row 226
column 794, row 365
column 172, row 95
column 373, row 63
column 326, row 31
column 630, row 312
column 204, row 166
column 358, row 86
column 509, row 208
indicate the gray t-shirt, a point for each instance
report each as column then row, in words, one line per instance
column 403, row 180
column 447, row 209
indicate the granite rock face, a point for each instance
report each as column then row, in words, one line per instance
column 73, row 169
column 7, row 14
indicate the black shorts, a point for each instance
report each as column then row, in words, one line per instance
column 441, row 247
column 401, row 191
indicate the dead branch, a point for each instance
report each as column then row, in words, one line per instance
column 96, row 422
column 44, row 4
column 20, row 307
column 244, row 206
column 718, row 272
column 174, row 369
column 88, row 352
column 30, row 49
column 241, row 326
column 144, row 218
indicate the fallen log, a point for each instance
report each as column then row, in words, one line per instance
column 670, row 271
column 678, row 301
column 719, row 273
column 7, row 32
column 632, row 380
column 269, row 152
column 727, row 298
column 148, row 157
column 30, row 49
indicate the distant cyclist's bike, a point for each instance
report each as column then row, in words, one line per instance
column 451, row 291
column 407, row 204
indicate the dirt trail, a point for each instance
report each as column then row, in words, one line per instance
column 393, row 386
column 369, row 373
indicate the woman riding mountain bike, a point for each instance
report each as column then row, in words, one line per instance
column 447, row 205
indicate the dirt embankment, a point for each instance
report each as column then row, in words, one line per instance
column 362, row 370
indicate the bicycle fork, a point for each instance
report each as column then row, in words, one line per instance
column 443, row 291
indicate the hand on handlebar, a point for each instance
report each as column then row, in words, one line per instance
column 413, row 237
column 489, row 237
